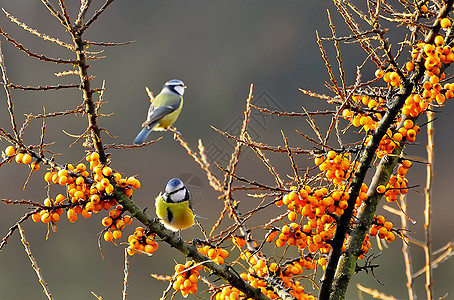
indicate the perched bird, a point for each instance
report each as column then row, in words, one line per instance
column 164, row 110
column 173, row 206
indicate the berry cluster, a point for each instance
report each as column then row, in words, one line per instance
column 187, row 276
column 228, row 293
column 143, row 241
column 115, row 222
column 382, row 228
column 335, row 165
column 260, row 271
column 216, row 254
column 397, row 184
column 86, row 192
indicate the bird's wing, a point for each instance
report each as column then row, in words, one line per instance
column 157, row 111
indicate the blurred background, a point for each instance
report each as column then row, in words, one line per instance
column 218, row 48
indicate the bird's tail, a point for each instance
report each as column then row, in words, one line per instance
column 142, row 135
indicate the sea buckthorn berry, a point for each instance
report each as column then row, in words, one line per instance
column 48, row 202
column 26, row 159
column 408, row 124
column 48, row 177
column 108, row 236
column 114, row 213
column 410, row 66
column 55, row 217
column 388, row 225
column 10, row 151
column 107, row 171
column 292, row 216
column 379, row 73
column 81, row 167
column 109, row 189
column 45, row 216
column 19, row 157
column 106, row 221
column 390, row 236
column 387, row 77
column 86, row 213
column 411, row 135
column 63, row 180
column 94, row 156
column 128, row 192
column 380, row 220
column 381, row 189
column 406, row 164
column 445, row 23
column 439, row 40
column 116, row 234
column 36, row 217
column 434, row 79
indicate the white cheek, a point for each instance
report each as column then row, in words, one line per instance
column 180, row 90
column 179, row 196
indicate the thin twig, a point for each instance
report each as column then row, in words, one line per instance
column 34, row 263
column 126, row 272
column 428, row 204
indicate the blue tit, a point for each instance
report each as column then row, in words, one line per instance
column 164, row 110
column 173, row 206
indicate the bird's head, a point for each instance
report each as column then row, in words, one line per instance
column 176, row 86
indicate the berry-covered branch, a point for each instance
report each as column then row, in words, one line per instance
column 345, row 265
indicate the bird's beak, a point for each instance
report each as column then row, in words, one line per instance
column 185, row 87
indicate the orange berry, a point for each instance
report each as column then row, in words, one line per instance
column 107, row 171
column 71, row 214
column 380, row 219
column 109, row 189
column 114, row 213
column 292, row 216
column 434, row 79
column 80, row 180
column 379, row 73
column 397, row 136
column 386, row 77
column 445, row 23
column 406, row 164
column 106, row 221
column 128, row 192
column 48, row 177
column 63, row 180
column 223, row 253
column 219, row 260
column 373, row 231
column 410, row 66
column 10, row 151
column 108, row 236
column 382, row 232
column 55, row 217
column 26, row 159
column 86, row 213
column 81, row 167
column 48, row 202
column 94, row 156
column 36, row 217
column 408, row 124
column 45, row 217
column 388, row 225
column 19, row 157
column 411, row 135
column 381, row 189
column 390, row 236
column 116, row 234
column 439, row 40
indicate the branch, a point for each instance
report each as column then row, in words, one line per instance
column 335, row 283
column 223, row 271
